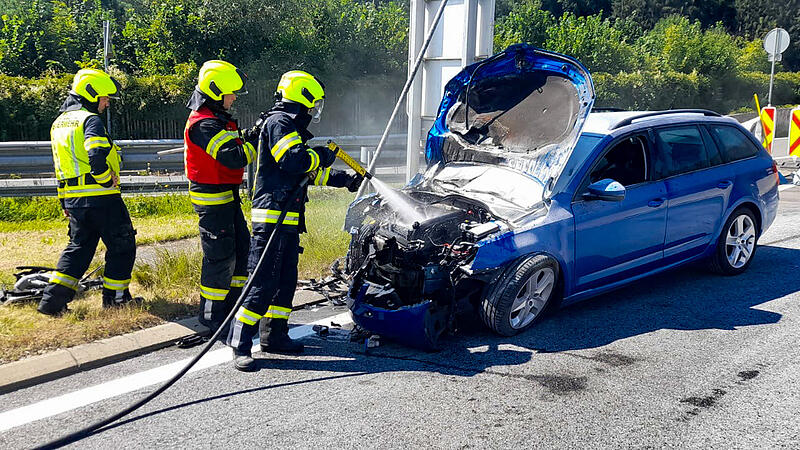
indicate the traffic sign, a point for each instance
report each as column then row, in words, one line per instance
column 776, row 41
column 768, row 124
column 794, row 132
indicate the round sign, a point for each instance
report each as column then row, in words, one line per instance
column 776, row 41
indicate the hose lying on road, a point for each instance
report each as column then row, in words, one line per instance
column 91, row 429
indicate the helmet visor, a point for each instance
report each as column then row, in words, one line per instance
column 316, row 111
column 243, row 89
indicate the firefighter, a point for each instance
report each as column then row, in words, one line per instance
column 284, row 160
column 87, row 165
column 216, row 153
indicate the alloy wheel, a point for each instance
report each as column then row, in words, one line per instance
column 532, row 298
column 740, row 241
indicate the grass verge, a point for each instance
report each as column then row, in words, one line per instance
column 168, row 280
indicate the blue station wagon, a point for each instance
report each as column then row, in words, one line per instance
column 530, row 200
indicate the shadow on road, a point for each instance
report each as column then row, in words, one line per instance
column 685, row 299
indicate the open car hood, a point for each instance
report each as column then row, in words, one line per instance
column 522, row 108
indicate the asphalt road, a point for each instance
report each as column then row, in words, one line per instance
column 685, row 359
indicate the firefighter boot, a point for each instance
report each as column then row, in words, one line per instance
column 115, row 298
column 244, row 361
column 274, row 337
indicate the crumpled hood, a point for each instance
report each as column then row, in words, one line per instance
column 522, row 108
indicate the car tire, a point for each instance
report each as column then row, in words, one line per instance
column 531, row 282
column 737, row 244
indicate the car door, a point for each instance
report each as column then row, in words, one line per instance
column 618, row 240
column 698, row 189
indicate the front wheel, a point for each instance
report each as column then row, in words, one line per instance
column 520, row 297
column 736, row 244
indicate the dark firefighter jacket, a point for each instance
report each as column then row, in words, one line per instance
column 284, row 160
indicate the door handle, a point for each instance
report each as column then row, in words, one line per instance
column 724, row 184
column 656, row 202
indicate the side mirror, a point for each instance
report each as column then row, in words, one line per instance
column 607, row 189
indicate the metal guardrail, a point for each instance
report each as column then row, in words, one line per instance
column 26, row 167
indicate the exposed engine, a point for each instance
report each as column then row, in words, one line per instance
column 412, row 269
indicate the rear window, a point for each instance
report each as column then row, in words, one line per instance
column 732, row 143
column 680, row 150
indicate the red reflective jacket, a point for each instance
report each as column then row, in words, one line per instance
column 200, row 166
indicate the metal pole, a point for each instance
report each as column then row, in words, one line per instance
column 411, row 76
column 414, row 103
column 106, row 50
column 468, row 50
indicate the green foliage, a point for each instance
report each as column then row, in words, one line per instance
column 525, row 22
column 20, row 209
column 593, row 41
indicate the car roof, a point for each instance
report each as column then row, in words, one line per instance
column 604, row 122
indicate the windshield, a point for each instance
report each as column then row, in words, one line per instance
column 583, row 149
column 508, row 193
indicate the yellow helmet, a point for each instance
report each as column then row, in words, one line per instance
column 92, row 84
column 218, row 78
column 301, row 87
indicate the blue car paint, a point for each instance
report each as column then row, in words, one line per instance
column 555, row 234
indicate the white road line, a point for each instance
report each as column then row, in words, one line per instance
column 74, row 400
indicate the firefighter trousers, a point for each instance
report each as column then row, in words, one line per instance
column 225, row 240
column 272, row 289
column 109, row 222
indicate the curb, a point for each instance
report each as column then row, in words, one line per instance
column 60, row 363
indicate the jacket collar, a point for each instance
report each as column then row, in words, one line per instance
column 299, row 115
column 74, row 102
column 198, row 100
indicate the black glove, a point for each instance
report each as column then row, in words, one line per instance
column 251, row 135
column 326, row 156
column 354, row 182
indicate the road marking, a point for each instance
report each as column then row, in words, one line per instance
column 83, row 397
column 784, row 187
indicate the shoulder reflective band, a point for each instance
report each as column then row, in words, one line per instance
column 64, row 280
column 284, row 144
column 314, row 160
column 88, row 190
column 205, row 199
column 116, row 285
column 278, row 312
column 238, row 281
column 246, row 316
column 219, row 140
column 322, row 177
column 271, row 216
column 213, row 294
column 249, row 152
column 104, row 177
column 96, row 142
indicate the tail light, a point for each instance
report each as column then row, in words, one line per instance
column 775, row 172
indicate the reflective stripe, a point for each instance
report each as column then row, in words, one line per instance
column 322, row 177
column 96, row 142
column 238, row 281
column 213, row 294
column 271, row 216
column 314, row 160
column 249, row 151
column 88, row 190
column 278, row 312
column 219, row 140
column 246, row 316
column 284, row 144
column 64, row 280
column 217, row 198
column 104, row 177
column 116, row 285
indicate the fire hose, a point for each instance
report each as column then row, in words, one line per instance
column 97, row 426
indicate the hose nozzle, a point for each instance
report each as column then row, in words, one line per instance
column 347, row 159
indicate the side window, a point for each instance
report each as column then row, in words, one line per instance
column 680, row 150
column 626, row 162
column 733, row 144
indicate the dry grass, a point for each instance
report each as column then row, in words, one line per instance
column 168, row 284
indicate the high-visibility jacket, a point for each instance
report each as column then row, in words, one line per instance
column 85, row 163
column 284, row 160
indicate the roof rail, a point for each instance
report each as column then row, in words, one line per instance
column 629, row 120
column 602, row 109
